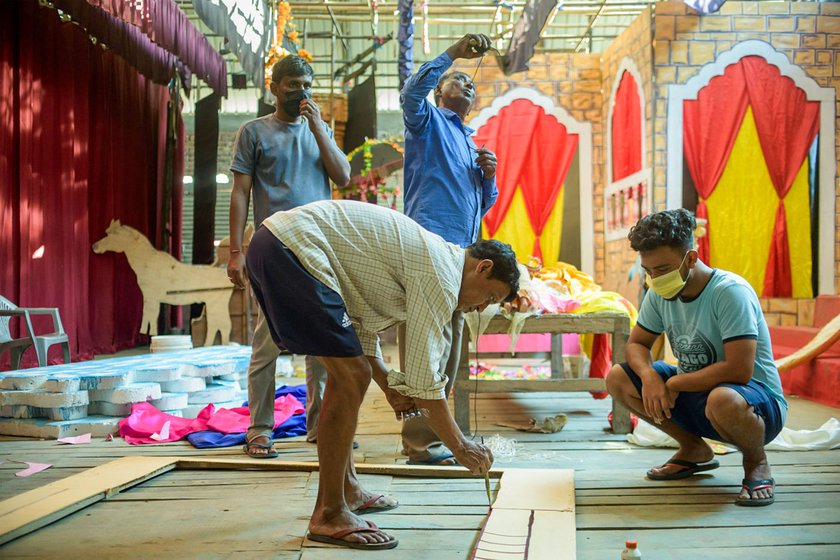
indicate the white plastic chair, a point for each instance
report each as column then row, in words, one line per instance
column 42, row 342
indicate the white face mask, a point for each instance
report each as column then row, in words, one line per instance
column 669, row 285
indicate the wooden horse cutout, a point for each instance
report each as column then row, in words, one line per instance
column 163, row 279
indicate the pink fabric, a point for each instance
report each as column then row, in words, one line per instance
column 146, row 420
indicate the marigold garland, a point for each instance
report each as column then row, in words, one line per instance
column 284, row 28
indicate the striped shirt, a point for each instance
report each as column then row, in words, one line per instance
column 386, row 268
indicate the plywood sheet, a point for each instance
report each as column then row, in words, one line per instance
column 537, row 489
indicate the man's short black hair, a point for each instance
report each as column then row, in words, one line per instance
column 671, row 228
column 290, row 65
column 443, row 79
column 505, row 268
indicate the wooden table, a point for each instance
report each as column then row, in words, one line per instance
column 616, row 324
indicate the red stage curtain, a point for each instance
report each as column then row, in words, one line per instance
column 83, row 149
column 534, row 152
column 787, row 124
column 626, row 129
column 710, row 125
column 507, row 133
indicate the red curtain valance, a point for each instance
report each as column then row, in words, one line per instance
column 535, row 152
column 154, row 36
column 626, row 134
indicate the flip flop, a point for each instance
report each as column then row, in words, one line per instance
column 336, row 538
column 689, row 468
column 368, row 506
column 436, row 461
column 751, row 486
column 270, row 452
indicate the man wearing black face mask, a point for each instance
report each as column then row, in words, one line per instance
column 286, row 160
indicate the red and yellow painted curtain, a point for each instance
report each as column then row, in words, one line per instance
column 535, row 152
column 773, row 125
column 626, row 136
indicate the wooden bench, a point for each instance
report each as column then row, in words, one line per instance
column 616, row 324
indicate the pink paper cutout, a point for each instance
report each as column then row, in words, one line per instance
column 75, row 440
column 33, row 468
column 164, row 432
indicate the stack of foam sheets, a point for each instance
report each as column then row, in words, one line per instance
column 91, row 397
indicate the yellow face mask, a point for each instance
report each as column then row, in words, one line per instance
column 668, row 285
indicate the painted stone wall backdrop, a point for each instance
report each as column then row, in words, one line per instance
column 616, row 259
column 808, row 33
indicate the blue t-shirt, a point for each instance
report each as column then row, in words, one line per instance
column 284, row 162
column 727, row 309
column 444, row 189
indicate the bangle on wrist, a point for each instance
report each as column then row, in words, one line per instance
column 236, row 250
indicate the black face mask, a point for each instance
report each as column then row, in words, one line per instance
column 293, row 99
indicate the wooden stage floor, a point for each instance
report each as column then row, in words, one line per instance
column 251, row 514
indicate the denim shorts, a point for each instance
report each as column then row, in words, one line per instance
column 303, row 314
column 689, row 411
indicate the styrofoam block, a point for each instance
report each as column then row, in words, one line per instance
column 229, row 377
column 210, row 368
column 184, row 385
column 20, row 381
column 104, row 380
column 26, row 411
column 177, row 413
column 44, row 399
column 120, row 410
column 157, row 374
column 214, row 393
column 62, row 383
column 136, row 392
column 171, row 401
column 191, row 411
column 97, row 426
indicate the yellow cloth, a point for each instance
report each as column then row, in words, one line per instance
column 516, row 230
column 742, row 212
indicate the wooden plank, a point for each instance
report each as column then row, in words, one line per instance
column 537, row 489
column 361, row 468
column 34, row 509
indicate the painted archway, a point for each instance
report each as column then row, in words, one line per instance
column 775, row 185
column 535, row 142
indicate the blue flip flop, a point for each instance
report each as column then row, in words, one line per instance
column 751, row 486
column 689, row 468
column 436, row 461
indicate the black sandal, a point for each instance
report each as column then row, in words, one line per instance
column 250, row 447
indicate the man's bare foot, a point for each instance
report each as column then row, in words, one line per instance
column 322, row 524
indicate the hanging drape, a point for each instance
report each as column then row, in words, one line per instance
column 153, row 36
column 535, row 151
column 710, row 125
column 787, row 124
column 626, row 137
column 745, row 188
column 507, row 133
column 81, row 145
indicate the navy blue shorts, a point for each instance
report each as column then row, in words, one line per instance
column 303, row 314
column 689, row 411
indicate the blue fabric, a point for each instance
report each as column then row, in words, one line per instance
column 727, row 309
column 294, row 426
column 689, row 410
column 445, row 190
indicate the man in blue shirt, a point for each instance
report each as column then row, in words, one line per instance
column 449, row 185
column 725, row 386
